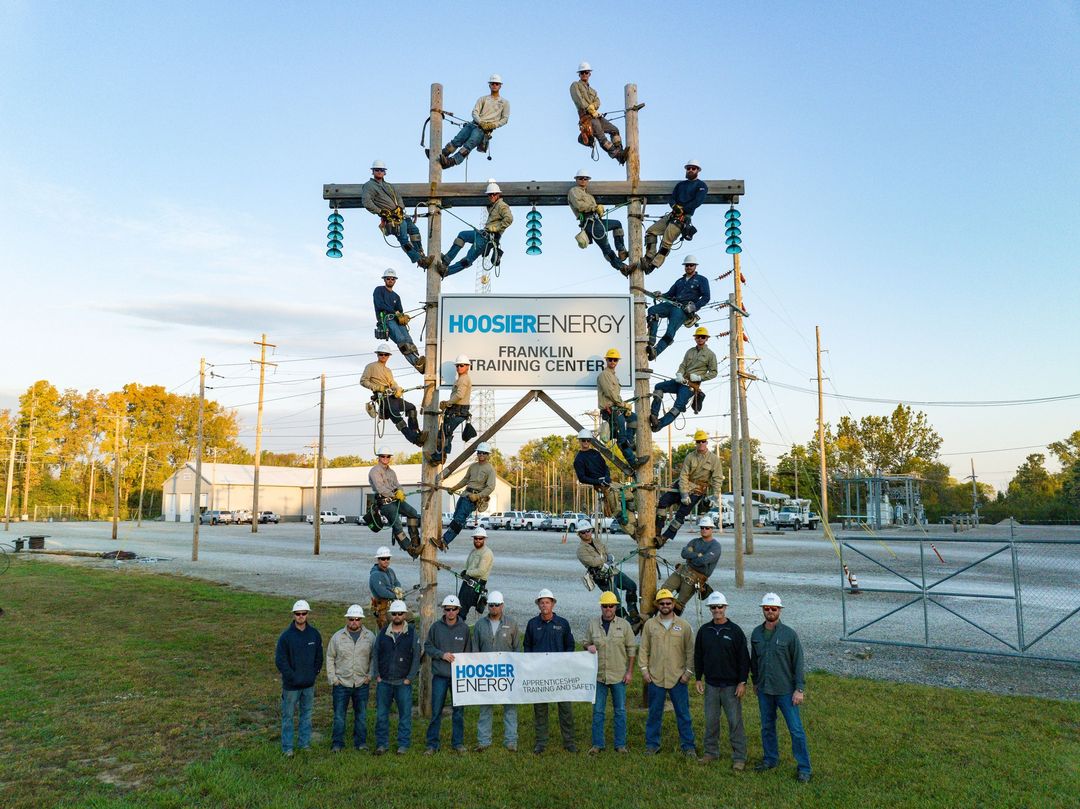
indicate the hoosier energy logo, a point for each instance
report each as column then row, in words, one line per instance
column 483, row 678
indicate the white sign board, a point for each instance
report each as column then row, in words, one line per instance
column 535, row 341
column 517, row 678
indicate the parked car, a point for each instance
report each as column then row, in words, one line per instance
column 532, row 520
column 498, row 520
column 545, row 523
column 269, row 516
column 483, row 521
column 513, row 520
column 216, row 517
column 242, row 516
column 327, row 517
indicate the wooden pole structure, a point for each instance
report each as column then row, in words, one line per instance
column 116, row 477
column 263, row 345
column 196, row 516
column 646, row 474
column 821, row 439
column 10, row 476
column 24, row 508
column 736, row 477
column 142, row 481
column 745, row 455
column 431, row 499
column 317, row 520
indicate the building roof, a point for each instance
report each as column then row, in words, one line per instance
column 238, row 474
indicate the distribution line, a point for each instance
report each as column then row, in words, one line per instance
column 960, row 403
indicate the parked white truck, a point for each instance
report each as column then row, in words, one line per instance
column 796, row 514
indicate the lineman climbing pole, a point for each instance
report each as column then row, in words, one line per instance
column 434, row 194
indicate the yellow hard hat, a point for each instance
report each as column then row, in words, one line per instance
column 701, row 331
column 701, row 435
column 613, row 354
column 663, row 593
column 608, row 597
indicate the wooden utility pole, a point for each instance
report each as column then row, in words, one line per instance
column 263, row 345
column 24, row 507
column 821, row 439
column 10, row 476
column 745, row 454
column 974, row 494
column 736, row 477
column 317, row 522
column 195, row 514
column 116, row 478
column 142, row 481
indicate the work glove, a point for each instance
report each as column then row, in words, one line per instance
column 677, row 209
column 473, row 497
column 599, row 209
column 695, row 377
column 399, row 495
column 402, row 318
column 444, row 404
column 399, row 391
column 591, row 111
column 689, row 307
column 399, row 593
column 658, row 294
column 686, row 499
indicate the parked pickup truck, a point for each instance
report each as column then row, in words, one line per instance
column 796, row 514
column 327, row 517
column 568, row 521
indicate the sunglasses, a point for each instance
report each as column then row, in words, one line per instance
column 665, row 603
column 397, row 613
column 718, row 607
column 351, row 620
column 382, row 353
column 450, row 609
column 771, row 609
column 461, row 365
column 300, row 613
column 608, row 606
column 701, row 337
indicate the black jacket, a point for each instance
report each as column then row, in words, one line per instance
column 721, row 654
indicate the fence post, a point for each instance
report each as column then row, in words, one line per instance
column 925, row 607
column 1017, row 596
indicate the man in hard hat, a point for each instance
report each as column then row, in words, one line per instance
column 548, row 632
column 592, row 125
column 611, row 639
column 601, row 568
column 590, row 216
column 667, row 664
column 685, row 198
column 478, row 484
column 299, row 658
column 698, row 365
column 383, row 200
column 485, row 241
column 778, row 673
column 686, row 296
column 489, row 113
column 348, row 668
column 699, row 475
column 700, row 557
column 496, row 632
column 395, row 662
column 592, row 470
column 455, row 410
column 391, row 501
column 618, row 414
column 473, row 590
column 384, row 586
column 387, row 400
column 721, row 657
column 446, row 637
column 390, row 318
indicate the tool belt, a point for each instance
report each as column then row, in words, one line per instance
column 585, row 133
column 381, row 331
column 698, row 400
column 380, row 606
column 484, row 143
column 600, row 577
column 491, row 247
column 392, row 218
column 458, row 410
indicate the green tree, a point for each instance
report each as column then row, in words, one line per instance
column 892, row 444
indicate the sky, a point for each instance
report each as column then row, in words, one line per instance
column 912, row 187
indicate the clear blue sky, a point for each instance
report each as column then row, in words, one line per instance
column 913, row 187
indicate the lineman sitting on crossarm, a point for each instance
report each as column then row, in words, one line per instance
column 594, row 227
column 700, row 474
column 485, row 241
column 390, row 318
column 387, row 400
column 620, row 418
column 489, row 113
column 455, row 409
column 692, row 576
column 600, row 567
column 686, row 296
column 592, row 470
column 390, row 499
column 383, row 200
column 686, row 197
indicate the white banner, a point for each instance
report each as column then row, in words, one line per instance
column 535, row 341
column 500, row 678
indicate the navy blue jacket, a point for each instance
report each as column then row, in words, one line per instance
column 591, row 468
column 382, row 584
column 548, row 636
column 386, row 301
column 299, row 657
column 693, row 289
column 396, row 657
column 690, row 194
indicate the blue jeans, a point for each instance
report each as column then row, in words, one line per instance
column 399, row 334
column 290, row 699
column 385, row 694
column 439, row 688
column 468, row 138
column 680, row 701
column 624, row 431
column 683, row 395
column 477, row 238
column 767, row 704
column 462, row 510
column 618, row 708
column 598, row 229
column 483, row 726
column 358, row 696
column 675, row 317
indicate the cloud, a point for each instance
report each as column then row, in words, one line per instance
column 240, row 315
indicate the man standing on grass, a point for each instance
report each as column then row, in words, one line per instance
column 446, row 638
column 299, row 658
column 720, row 656
column 611, row 638
column 667, row 660
column 395, row 662
column 497, row 632
column 779, row 677
column 548, row 632
column 348, row 668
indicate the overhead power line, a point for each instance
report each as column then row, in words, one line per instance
column 969, row 403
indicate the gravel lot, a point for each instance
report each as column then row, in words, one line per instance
column 801, row 567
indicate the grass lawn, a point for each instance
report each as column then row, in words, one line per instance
column 124, row 688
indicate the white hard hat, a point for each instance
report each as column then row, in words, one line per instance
column 545, row 593
column 355, row 611
column 462, row 359
column 715, row 598
column 389, row 272
column 706, row 522
column 300, row 606
column 492, row 188
column 494, row 597
column 585, row 433
column 771, row 600
column 384, row 348
column 399, row 606
column 382, row 553
column 584, row 526
column 584, row 66
column 451, row 601
column 484, row 447
column 583, row 173
column 497, row 79
column 378, row 164
column 479, row 532
column 383, row 450
column 695, row 163
column 691, row 259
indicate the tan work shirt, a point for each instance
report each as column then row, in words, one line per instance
column 378, row 196
column 585, row 98
column 667, row 654
column 491, row 112
column 499, row 217
column 378, row 377
column 479, row 562
column 614, row 648
column 461, row 393
column 608, row 390
column 701, row 473
column 480, row 477
column 699, row 361
column 383, row 480
column 581, row 201
column 592, row 554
